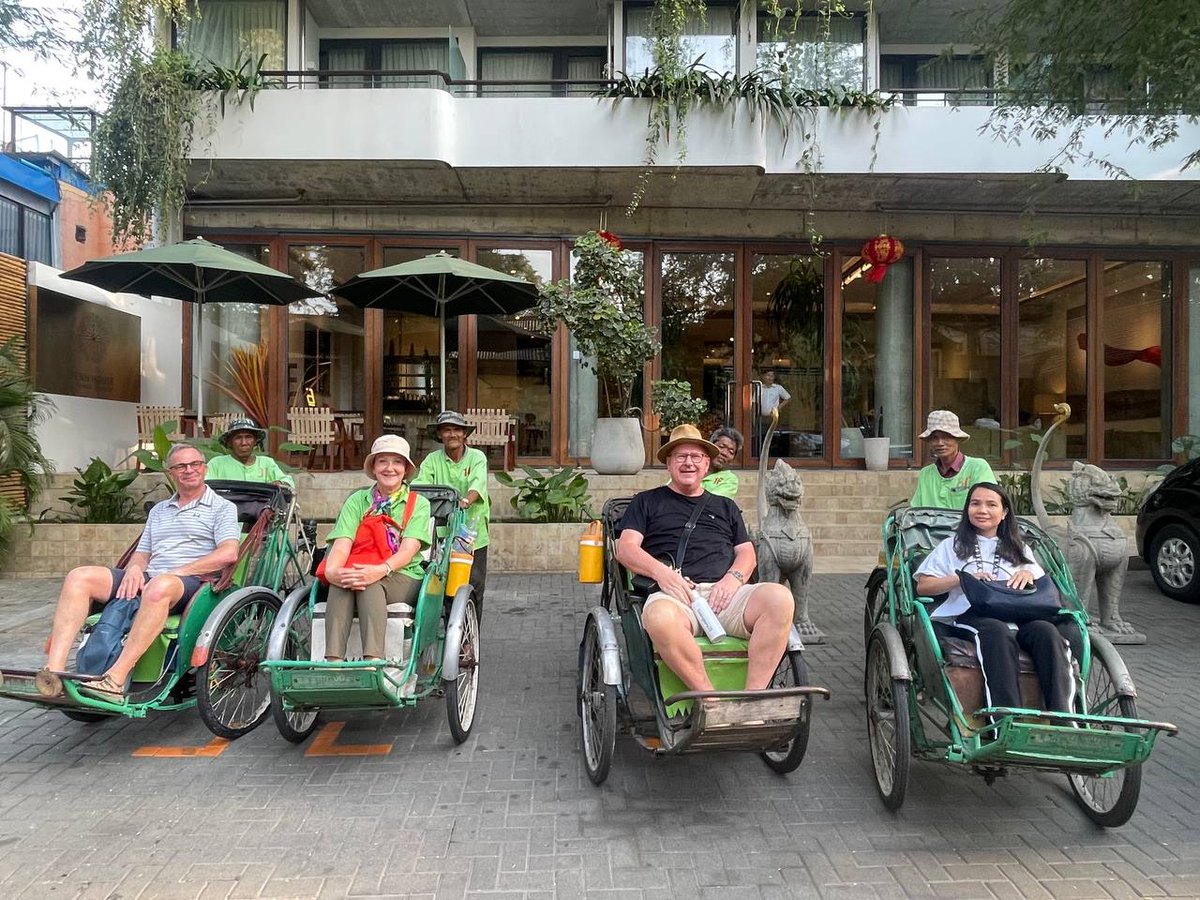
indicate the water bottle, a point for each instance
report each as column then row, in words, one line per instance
column 708, row 619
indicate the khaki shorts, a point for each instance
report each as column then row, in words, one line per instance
column 732, row 617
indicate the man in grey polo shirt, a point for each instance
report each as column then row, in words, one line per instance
column 191, row 534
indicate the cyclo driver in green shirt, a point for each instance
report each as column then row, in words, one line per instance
column 464, row 469
column 945, row 482
column 242, row 439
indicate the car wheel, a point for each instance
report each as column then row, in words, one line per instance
column 1173, row 557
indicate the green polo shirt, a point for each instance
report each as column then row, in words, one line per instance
column 262, row 469
column 723, row 483
column 950, row 493
column 468, row 474
column 418, row 527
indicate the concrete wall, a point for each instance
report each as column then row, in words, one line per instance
column 80, row 427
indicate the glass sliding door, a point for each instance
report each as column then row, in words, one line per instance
column 514, row 359
column 229, row 32
column 325, row 335
column 964, row 340
column 876, row 358
column 788, row 353
column 411, row 364
column 227, row 327
column 712, row 35
column 1051, row 358
column 1136, row 297
column 697, row 296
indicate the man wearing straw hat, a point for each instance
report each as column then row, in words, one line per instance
column 718, row 558
column 944, row 483
column 243, row 439
column 464, row 469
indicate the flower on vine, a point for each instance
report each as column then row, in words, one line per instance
column 612, row 239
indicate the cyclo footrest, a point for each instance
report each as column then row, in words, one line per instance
column 740, row 720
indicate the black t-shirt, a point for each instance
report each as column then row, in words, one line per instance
column 660, row 515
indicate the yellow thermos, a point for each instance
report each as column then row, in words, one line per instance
column 591, row 554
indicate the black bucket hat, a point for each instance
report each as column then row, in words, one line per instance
column 449, row 417
column 242, row 425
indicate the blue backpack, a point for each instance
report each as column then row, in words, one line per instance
column 104, row 644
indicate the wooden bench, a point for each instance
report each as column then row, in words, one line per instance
column 217, row 425
column 494, row 428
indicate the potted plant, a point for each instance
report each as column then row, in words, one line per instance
column 674, row 405
column 876, row 446
column 602, row 308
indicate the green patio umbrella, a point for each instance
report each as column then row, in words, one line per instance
column 197, row 271
column 441, row 286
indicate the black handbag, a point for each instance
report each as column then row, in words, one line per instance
column 997, row 600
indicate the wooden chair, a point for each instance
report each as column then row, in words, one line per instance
column 217, row 425
column 349, row 427
column 494, row 428
column 150, row 417
column 313, row 425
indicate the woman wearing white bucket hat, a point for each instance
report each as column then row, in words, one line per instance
column 366, row 588
column 944, row 483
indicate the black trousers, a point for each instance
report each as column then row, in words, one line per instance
column 1051, row 645
column 478, row 577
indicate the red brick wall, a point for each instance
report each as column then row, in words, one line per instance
column 77, row 208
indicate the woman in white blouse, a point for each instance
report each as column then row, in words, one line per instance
column 987, row 544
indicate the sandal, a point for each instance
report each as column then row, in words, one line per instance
column 105, row 689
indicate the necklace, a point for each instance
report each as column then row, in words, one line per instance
column 979, row 561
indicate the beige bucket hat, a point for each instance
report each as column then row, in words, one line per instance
column 390, row 443
column 944, row 420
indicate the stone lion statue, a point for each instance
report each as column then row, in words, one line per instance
column 1096, row 548
column 783, row 541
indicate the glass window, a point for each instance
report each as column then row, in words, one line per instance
column 788, row 353
column 964, row 339
column 514, row 368
column 937, row 80
column 516, row 65
column 377, row 55
column 1052, row 354
column 411, row 396
column 697, row 292
column 877, row 358
column 813, row 51
column 711, row 36
column 325, row 334
column 228, row 327
column 1137, row 360
column 228, row 32
column 38, row 242
column 10, row 227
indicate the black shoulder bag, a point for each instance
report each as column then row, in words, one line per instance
column 997, row 600
column 644, row 584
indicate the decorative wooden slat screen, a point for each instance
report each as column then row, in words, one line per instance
column 14, row 322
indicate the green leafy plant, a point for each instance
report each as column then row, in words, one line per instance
column 556, row 496
column 101, row 495
column 239, row 83
column 674, row 404
column 22, row 409
column 602, row 308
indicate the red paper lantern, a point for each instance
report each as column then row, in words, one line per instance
column 612, row 239
column 881, row 252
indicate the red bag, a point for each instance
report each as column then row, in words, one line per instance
column 370, row 547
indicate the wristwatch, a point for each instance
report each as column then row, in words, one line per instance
column 738, row 575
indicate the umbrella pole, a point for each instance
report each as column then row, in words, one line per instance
column 442, row 356
column 199, row 342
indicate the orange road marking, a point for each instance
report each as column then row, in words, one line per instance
column 213, row 748
column 325, row 744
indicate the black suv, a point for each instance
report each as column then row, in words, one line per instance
column 1168, row 533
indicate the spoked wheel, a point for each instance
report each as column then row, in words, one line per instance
column 232, row 693
column 295, row 725
column 462, row 693
column 597, row 708
column 887, row 725
column 791, row 673
column 1109, row 800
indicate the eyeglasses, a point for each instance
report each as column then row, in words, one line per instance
column 184, row 466
column 689, row 457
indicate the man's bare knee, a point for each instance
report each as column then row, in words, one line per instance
column 660, row 618
column 93, row 580
column 771, row 600
column 162, row 591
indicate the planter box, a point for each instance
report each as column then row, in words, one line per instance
column 534, row 546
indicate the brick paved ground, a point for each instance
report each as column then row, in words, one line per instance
column 511, row 814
